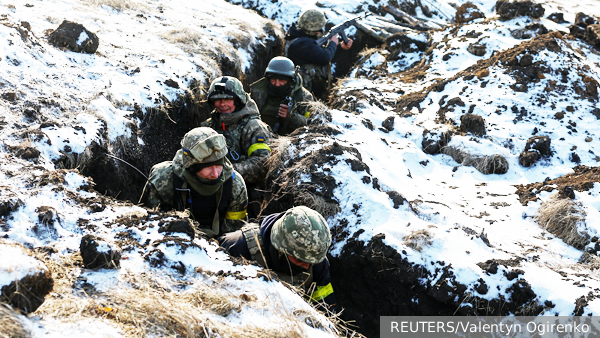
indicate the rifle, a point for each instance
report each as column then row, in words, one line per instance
column 339, row 29
column 280, row 121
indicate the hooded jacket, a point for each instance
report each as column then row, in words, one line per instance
column 247, row 139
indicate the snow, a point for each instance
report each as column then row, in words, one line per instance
column 16, row 264
column 91, row 98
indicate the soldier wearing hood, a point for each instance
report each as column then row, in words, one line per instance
column 200, row 180
column 237, row 118
column 280, row 97
column 294, row 245
column 314, row 60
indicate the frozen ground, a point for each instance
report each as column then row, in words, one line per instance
column 145, row 43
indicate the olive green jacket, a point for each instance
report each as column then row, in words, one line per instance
column 298, row 113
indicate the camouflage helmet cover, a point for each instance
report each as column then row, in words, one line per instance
column 227, row 87
column 311, row 20
column 202, row 145
column 303, row 234
column 281, row 65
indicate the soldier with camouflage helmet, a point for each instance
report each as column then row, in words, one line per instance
column 237, row 118
column 294, row 245
column 314, row 60
column 280, row 97
column 200, row 180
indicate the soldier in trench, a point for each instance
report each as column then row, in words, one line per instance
column 236, row 117
column 201, row 181
column 294, row 245
column 280, row 97
column 314, row 60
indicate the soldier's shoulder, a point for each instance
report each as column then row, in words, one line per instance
column 259, row 85
column 255, row 124
column 161, row 177
column 239, row 184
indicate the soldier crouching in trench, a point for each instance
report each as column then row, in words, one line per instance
column 201, row 180
column 236, row 117
column 280, row 97
column 294, row 245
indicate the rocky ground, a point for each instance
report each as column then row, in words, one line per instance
column 456, row 166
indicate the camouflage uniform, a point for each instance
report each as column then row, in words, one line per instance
column 165, row 180
column 299, row 232
column 298, row 112
column 247, row 136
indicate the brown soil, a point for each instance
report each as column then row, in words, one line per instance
column 581, row 180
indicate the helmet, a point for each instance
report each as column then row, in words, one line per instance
column 311, row 20
column 281, row 66
column 202, row 145
column 303, row 234
column 227, row 87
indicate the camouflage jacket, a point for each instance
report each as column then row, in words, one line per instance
column 160, row 192
column 298, row 112
column 247, row 139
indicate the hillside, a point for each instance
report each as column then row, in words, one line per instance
column 456, row 166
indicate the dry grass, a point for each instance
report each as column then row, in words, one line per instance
column 319, row 113
column 286, row 177
column 10, row 324
column 418, row 239
column 142, row 308
column 119, row 5
column 560, row 217
column 490, row 164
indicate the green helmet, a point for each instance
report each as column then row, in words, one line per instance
column 227, row 87
column 202, row 145
column 303, row 234
column 281, row 66
column 311, row 20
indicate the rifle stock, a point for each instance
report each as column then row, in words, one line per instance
column 339, row 29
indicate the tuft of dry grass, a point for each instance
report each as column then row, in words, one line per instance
column 560, row 217
column 319, row 113
column 119, row 5
column 141, row 307
column 286, row 177
column 10, row 324
column 418, row 239
column 489, row 164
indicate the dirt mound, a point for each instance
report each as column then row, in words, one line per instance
column 406, row 289
column 511, row 9
column 582, row 179
column 98, row 253
column 74, row 37
column 299, row 176
column 467, row 12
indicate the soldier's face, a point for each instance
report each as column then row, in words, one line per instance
column 225, row 106
column 298, row 262
column 277, row 82
column 210, row 173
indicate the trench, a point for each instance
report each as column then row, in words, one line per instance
column 370, row 279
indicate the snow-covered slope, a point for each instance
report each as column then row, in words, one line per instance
column 55, row 104
column 440, row 235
